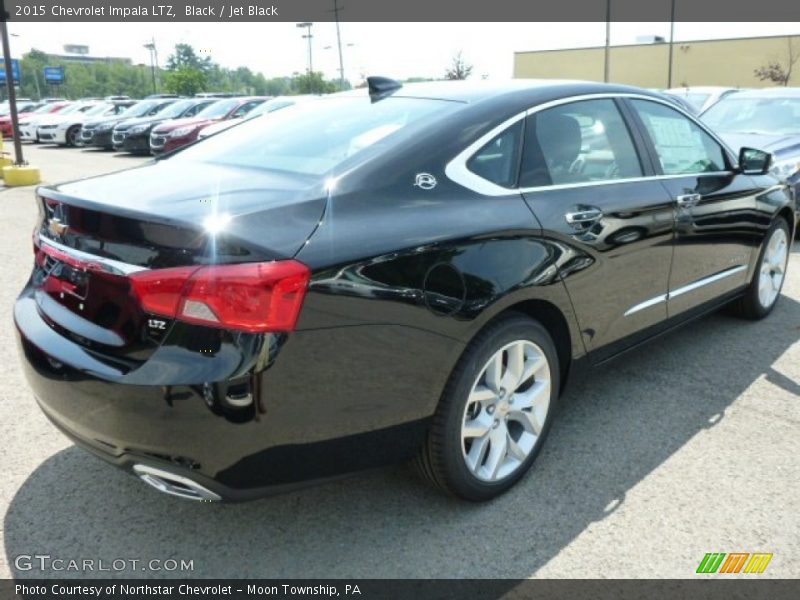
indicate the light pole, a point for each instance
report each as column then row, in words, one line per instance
column 341, row 65
column 151, row 46
column 308, row 36
column 336, row 10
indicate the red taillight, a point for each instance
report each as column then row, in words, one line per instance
column 253, row 297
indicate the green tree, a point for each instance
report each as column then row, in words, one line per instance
column 185, row 56
column 185, row 81
column 313, row 83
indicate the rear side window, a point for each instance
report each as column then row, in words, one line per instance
column 580, row 142
column 681, row 145
column 498, row 161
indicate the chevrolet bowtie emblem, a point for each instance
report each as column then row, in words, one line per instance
column 56, row 227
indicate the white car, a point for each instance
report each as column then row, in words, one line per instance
column 702, row 97
column 29, row 126
column 262, row 109
column 64, row 128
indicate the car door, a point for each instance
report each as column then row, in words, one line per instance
column 716, row 224
column 587, row 178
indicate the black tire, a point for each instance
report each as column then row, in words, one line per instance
column 749, row 306
column 441, row 460
column 72, row 135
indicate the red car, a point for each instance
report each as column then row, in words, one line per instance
column 32, row 109
column 179, row 132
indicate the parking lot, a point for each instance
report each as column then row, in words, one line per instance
column 687, row 446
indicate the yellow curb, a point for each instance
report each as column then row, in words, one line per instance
column 17, row 176
column 5, row 162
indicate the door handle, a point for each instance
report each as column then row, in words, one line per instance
column 584, row 217
column 688, row 200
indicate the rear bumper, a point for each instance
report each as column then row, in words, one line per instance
column 307, row 429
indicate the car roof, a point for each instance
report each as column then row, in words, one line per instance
column 531, row 90
column 776, row 92
column 703, row 89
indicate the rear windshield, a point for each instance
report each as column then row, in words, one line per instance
column 313, row 138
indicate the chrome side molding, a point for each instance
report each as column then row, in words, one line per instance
column 685, row 289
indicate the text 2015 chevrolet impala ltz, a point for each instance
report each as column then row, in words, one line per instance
column 381, row 275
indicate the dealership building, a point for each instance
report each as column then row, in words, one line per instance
column 729, row 62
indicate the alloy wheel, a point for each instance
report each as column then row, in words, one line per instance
column 506, row 411
column 773, row 268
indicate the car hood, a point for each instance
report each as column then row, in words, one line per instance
column 219, row 126
column 22, row 115
column 176, row 123
column 95, row 121
column 128, row 123
column 776, row 144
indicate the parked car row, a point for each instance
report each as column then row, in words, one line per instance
column 154, row 125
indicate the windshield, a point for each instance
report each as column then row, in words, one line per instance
column 313, row 138
column 218, row 109
column 176, row 109
column 99, row 109
column 47, row 108
column 269, row 106
column 68, row 110
column 697, row 100
column 771, row 116
column 139, row 109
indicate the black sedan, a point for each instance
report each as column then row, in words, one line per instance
column 381, row 275
column 134, row 135
column 98, row 132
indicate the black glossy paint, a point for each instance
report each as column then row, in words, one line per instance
column 402, row 279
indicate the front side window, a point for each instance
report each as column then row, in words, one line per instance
column 580, row 142
column 681, row 145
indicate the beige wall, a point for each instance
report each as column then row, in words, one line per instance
column 719, row 62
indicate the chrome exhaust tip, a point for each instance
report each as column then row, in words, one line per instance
column 175, row 485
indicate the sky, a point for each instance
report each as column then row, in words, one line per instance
column 398, row 50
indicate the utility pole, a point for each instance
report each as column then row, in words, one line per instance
column 151, row 46
column 307, row 26
column 12, row 93
column 336, row 9
column 308, row 36
column 608, row 41
column 671, row 38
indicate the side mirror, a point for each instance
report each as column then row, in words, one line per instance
column 754, row 162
